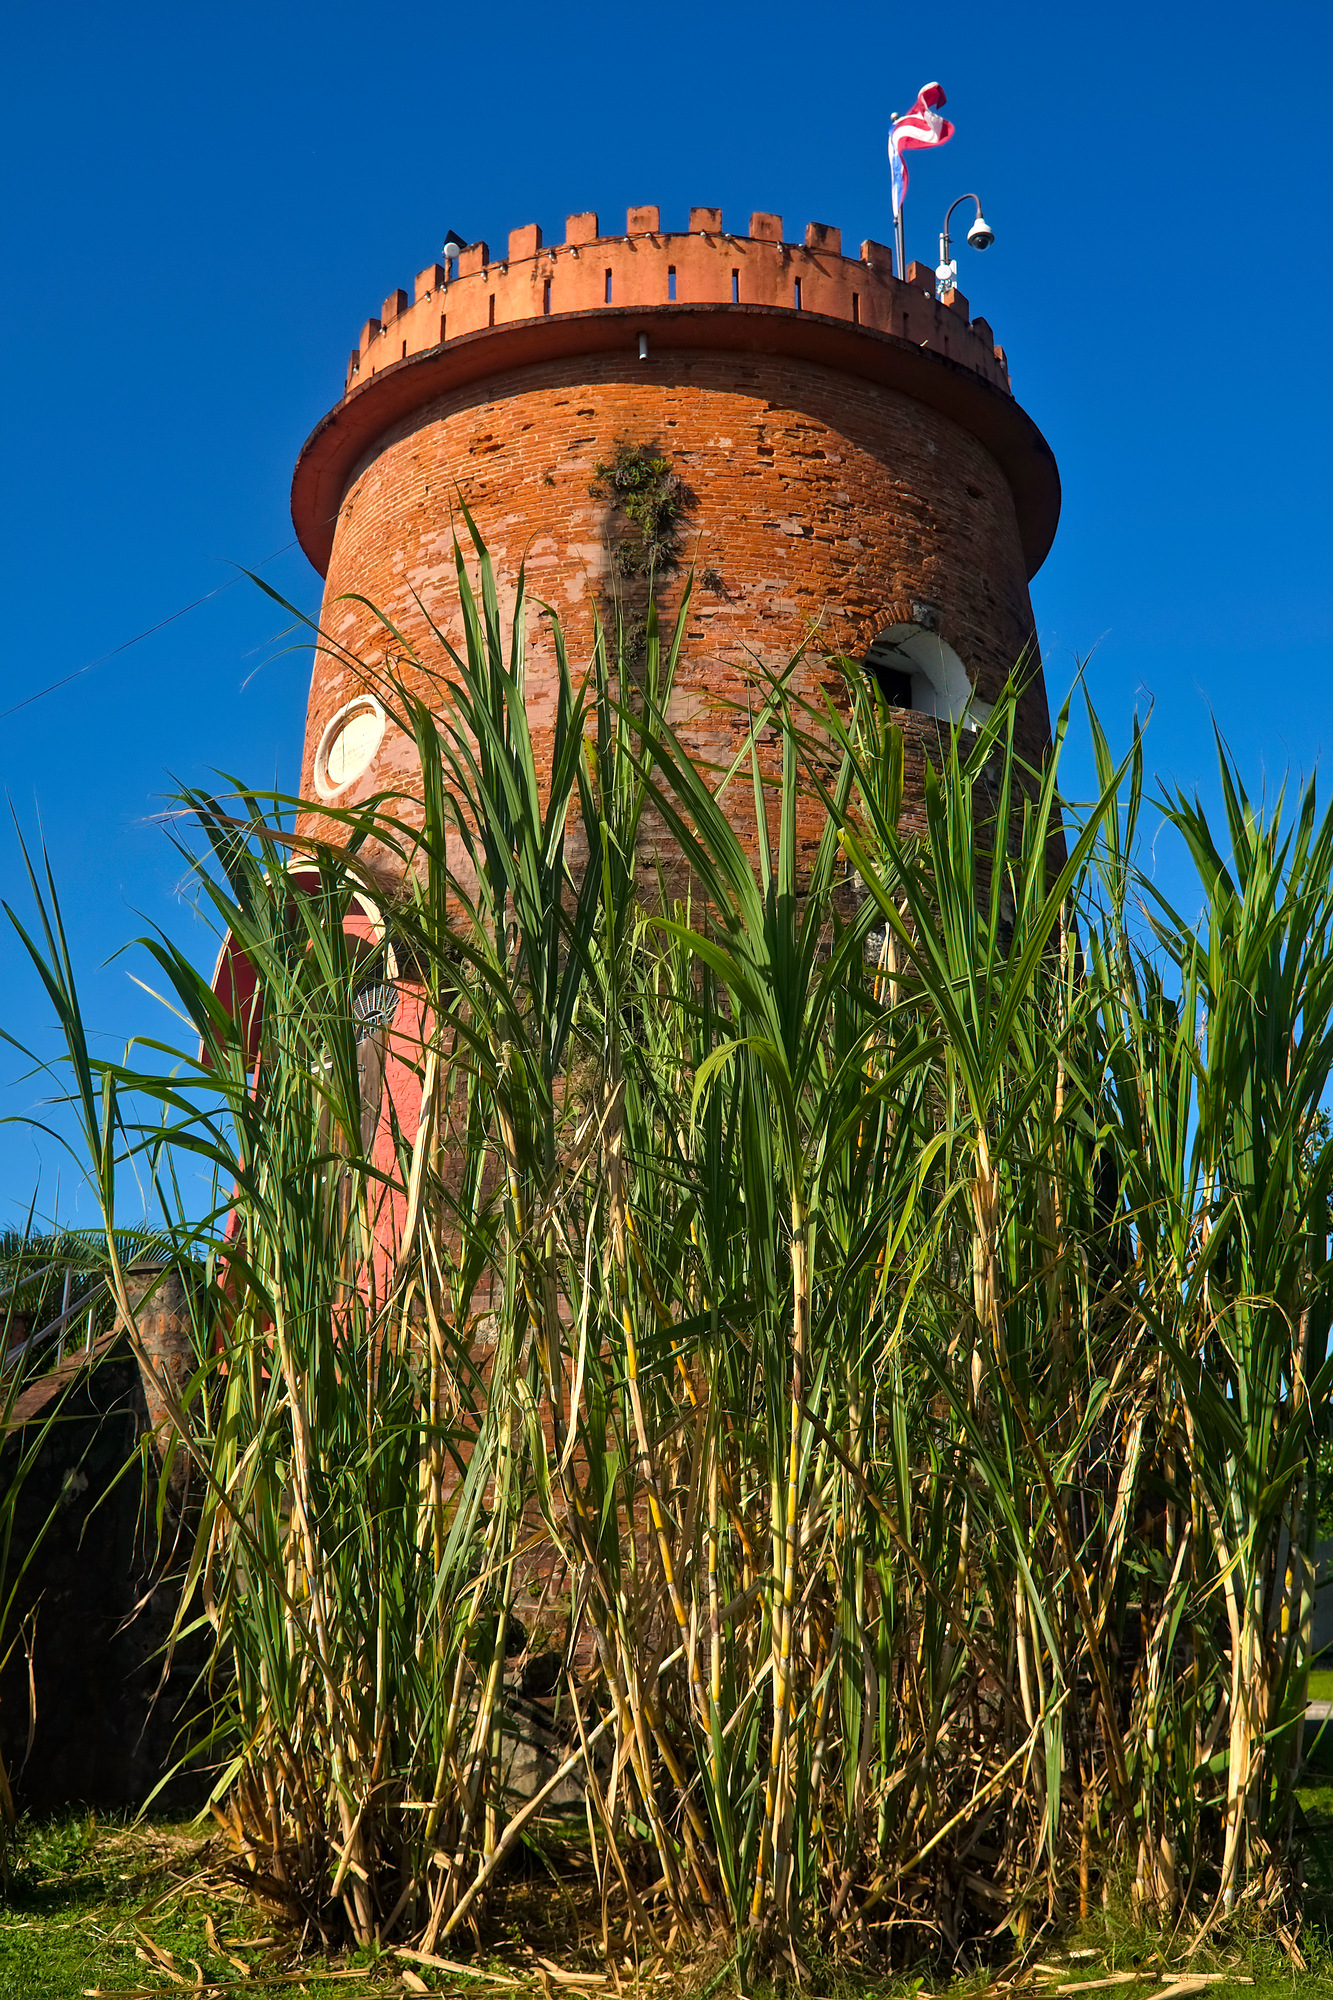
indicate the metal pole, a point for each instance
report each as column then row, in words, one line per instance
column 39, row 1334
column 64, row 1315
column 902, row 254
column 27, row 1278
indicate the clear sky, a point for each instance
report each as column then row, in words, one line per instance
column 202, row 205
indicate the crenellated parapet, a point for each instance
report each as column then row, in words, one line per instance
column 650, row 270
column 857, row 482
column 656, row 297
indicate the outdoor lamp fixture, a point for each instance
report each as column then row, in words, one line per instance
column 980, row 236
column 454, row 246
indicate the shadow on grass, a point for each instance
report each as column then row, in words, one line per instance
column 110, row 1905
column 120, row 1908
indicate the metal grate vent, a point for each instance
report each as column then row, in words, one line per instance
column 374, row 1004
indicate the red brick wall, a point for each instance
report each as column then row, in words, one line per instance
column 826, row 505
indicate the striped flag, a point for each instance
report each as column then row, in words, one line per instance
column 921, row 126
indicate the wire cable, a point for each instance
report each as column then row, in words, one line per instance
column 147, row 633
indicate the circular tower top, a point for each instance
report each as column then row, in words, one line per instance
column 703, row 289
column 853, row 481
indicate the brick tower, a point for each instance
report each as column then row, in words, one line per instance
column 861, row 479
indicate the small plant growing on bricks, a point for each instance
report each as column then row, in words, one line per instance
column 647, row 506
column 649, row 501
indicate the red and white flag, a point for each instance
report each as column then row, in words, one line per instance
column 921, row 126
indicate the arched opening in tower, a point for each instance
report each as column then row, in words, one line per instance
column 917, row 669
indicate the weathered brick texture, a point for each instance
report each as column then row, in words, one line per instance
column 844, row 476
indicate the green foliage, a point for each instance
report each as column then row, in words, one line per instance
column 97, row 1904
column 650, row 501
column 648, row 507
column 861, row 1327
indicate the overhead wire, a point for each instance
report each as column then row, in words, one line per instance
column 147, row 633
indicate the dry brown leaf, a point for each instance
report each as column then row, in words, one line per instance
column 570, row 1978
column 216, row 1944
column 156, row 1953
column 302, row 1979
column 1110, row 1979
column 412, row 1983
column 1292, row 1949
column 452, row 1965
column 160, row 1962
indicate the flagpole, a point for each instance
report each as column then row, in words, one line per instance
column 896, row 160
column 921, row 126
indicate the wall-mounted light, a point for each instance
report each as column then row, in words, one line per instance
column 454, row 246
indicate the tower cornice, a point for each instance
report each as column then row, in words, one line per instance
column 655, row 294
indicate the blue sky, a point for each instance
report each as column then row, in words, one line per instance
column 203, row 204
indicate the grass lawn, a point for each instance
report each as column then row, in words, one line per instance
column 122, row 1909
column 99, row 1906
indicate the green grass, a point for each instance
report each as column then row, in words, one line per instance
column 1321, row 1684
column 87, row 1891
column 89, row 1895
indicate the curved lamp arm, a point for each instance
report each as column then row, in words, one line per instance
column 980, row 236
